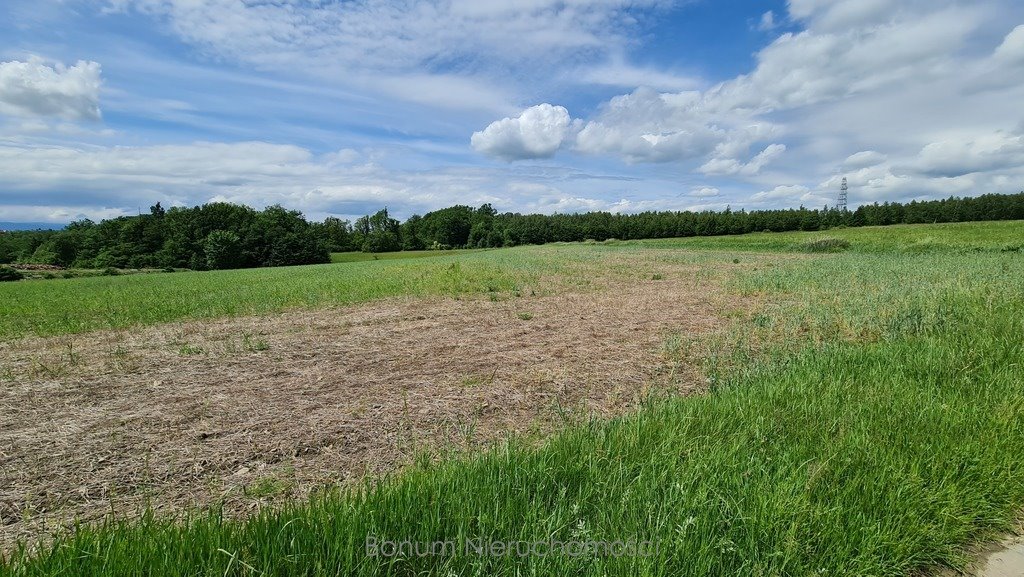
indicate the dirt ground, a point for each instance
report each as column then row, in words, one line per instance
column 247, row 411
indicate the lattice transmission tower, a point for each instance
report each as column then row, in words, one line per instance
column 843, row 196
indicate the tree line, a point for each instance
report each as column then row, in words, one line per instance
column 221, row 235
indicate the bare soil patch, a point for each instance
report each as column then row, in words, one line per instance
column 248, row 410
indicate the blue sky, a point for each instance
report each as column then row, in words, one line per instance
column 340, row 107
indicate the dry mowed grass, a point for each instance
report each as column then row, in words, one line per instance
column 248, row 410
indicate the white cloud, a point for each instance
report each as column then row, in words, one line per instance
column 1011, row 51
column 731, row 166
column 989, row 152
column 61, row 183
column 767, row 22
column 536, row 133
column 785, row 191
column 35, row 88
column 704, row 191
column 61, row 214
column 371, row 43
column 863, row 159
column 648, row 126
column 909, row 98
column 618, row 72
column 816, row 65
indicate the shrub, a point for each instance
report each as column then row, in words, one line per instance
column 110, row 271
column 9, row 274
column 827, row 244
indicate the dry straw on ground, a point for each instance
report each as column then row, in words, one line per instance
column 246, row 410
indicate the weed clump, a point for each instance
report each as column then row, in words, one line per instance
column 9, row 274
column 925, row 245
column 827, row 244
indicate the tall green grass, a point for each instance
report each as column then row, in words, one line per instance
column 906, row 238
column 339, row 257
column 75, row 305
column 64, row 306
column 868, row 419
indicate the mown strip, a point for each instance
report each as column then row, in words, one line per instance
column 874, row 425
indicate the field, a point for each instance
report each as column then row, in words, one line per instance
column 338, row 257
column 746, row 405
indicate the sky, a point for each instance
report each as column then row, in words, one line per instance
column 342, row 107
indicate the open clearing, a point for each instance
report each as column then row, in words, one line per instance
column 252, row 409
column 861, row 413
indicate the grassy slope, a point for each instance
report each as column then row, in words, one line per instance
column 339, row 257
column 64, row 306
column 908, row 238
column 74, row 305
column 879, row 433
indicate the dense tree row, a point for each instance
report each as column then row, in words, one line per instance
column 220, row 235
column 212, row 236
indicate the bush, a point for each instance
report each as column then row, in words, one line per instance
column 827, row 244
column 110, row 271
column 9, row 274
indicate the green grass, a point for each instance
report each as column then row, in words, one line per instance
column 910, row 238
column 75, row 305
column 867, row 419
column 66, row 306
column 338, row 257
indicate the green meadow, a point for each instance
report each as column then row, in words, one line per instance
column 337, row 257
column 901, row 238
column 865, row 417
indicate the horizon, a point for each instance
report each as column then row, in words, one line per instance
column 596, row 105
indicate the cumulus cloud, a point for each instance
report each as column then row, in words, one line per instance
column 35, row 88
column 61, row 183
column 704, row 191
column 864, row 158
column 1011, row 51
column 783, row 192
column 951, row 158
column 650, row 126
column 864, row 89
column 820, row 65
column 732, row 166
column 908, row 98
column 536, row 133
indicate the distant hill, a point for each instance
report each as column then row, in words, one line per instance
column 30, row 226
